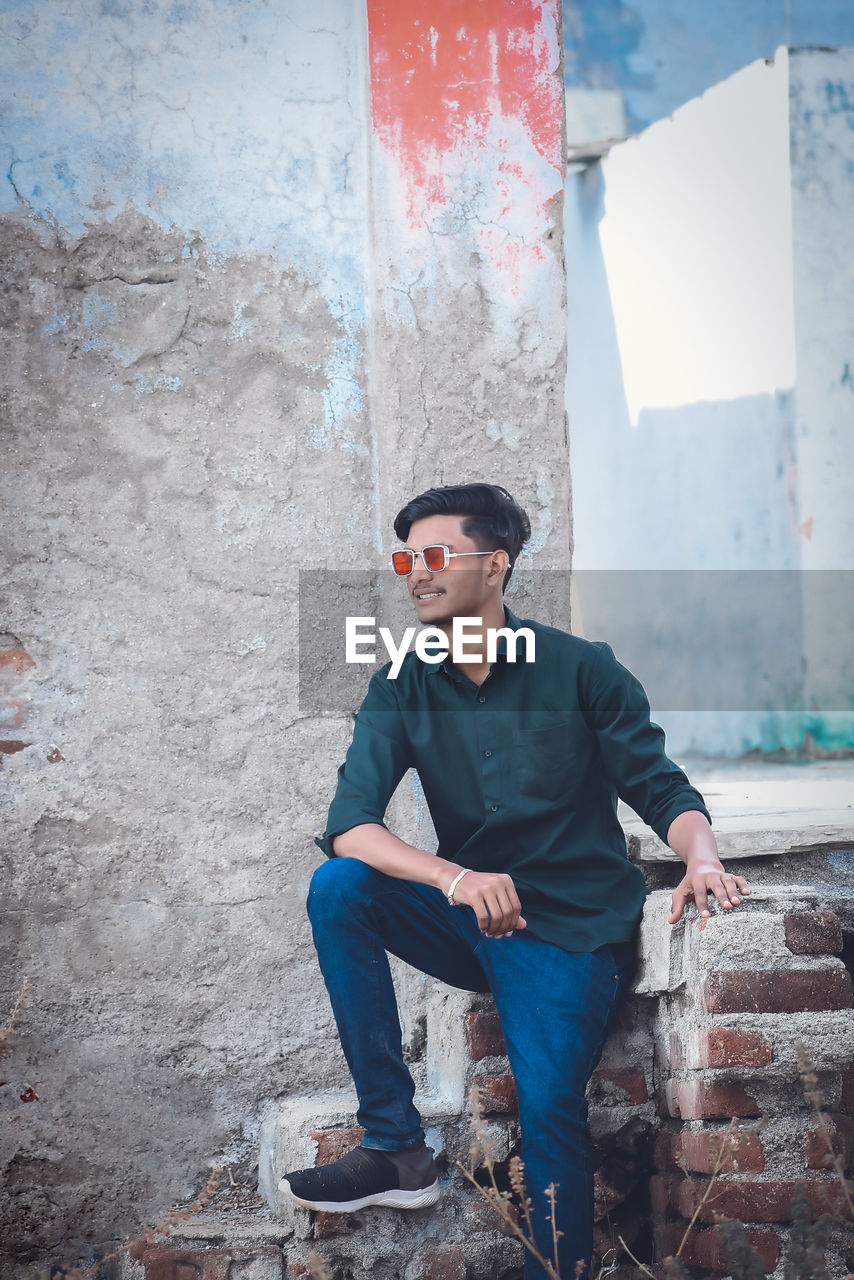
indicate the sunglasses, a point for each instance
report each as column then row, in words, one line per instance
column 434, row 558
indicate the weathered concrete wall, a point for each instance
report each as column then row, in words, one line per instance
column 214, row 377
column 467, row 111
column 822, row 130
column 737, row 483
column 183, row 422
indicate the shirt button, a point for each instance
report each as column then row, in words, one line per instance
column 494, row 808
column 481, row 698
column 487, row 753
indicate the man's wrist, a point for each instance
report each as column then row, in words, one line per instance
column 446, row 873
column 702, row 860
column 452, row 887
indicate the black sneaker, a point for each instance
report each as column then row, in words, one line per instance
column 364, row 1176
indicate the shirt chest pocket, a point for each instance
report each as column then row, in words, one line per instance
column 547, row 763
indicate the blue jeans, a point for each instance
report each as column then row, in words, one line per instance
column 555, row 1008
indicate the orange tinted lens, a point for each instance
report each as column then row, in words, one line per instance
column 402, row 561
column 434, row 558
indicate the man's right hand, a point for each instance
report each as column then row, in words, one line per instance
column 493, row 898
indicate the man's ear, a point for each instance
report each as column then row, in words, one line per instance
column 498, row 565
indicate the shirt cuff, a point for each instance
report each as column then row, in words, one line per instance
column 684, row 805
column 325, row 844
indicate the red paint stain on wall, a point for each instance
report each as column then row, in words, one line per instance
column 443, row 71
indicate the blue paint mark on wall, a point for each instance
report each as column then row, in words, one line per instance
column 662, row 53
column 229, row 120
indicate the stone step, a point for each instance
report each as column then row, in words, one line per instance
column 285, row 1138
column 763, row 810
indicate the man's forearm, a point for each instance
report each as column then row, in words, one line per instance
column 491, row 895
column 385, row 852
column 690, row 836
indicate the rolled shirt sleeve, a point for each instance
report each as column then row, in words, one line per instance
column 377, row 759
column 632, row 746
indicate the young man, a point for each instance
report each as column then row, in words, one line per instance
column 531, row 895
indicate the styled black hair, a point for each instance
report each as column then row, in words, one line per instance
column 489, row 514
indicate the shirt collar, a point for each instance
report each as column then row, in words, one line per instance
column 447, row 665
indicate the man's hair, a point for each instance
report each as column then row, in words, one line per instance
column 490, row 517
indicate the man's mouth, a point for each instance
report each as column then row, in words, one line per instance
column 428, row 595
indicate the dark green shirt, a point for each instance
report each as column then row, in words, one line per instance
column 522, row 775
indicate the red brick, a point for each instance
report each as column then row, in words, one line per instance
column 841, row 1135
column 497, row 1094
column 630, row 1082
column 697, row 1152
column 752, row 1201
column 663, row 1151
column 704, row 1247
column 738, row 1152
column 813, row 932
column 8, row 746
column 332, row 1144
column 17, row 660
column 164, row 1262
column 437, row 1262
column 696, row 1100
column 676, row 1051
column 484, row 1034
column 726, row 1047
column 777, row 990
column 334, row 1224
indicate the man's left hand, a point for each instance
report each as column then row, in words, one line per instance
column 698, row 882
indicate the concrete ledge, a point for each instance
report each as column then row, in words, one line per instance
column 762, row 810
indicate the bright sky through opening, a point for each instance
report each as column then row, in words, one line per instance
column 697, row 239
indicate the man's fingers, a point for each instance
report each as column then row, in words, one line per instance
column 490, row 915
column 496, row 916
column 482, row 912
column 681, row 894
column 506, row 920
column 494, row 901
column 727, row 889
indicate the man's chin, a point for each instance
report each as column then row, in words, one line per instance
column 433, row 612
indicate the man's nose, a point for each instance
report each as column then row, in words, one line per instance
column 420, row 572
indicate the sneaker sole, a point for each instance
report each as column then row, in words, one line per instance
column 420, row 1199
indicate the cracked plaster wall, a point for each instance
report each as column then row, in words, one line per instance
column 222, row 369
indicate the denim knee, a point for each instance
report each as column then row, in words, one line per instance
column 339, row 882
column 548, row 1100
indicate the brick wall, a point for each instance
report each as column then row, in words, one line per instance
column 699, row 1078
column 740, row 997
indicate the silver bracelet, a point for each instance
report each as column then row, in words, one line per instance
column 456, row 880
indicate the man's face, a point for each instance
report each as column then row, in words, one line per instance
column 461, row 590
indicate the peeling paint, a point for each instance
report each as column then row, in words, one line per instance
column 476, row 85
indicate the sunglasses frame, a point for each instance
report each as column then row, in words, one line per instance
column 448, row 556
